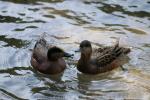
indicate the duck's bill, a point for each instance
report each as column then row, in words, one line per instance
column 67, row 54
column 78, row 50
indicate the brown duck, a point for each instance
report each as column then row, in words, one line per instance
column 100, row 60
column 48, row 59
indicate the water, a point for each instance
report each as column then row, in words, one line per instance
column 67, row 23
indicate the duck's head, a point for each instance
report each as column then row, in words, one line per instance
column 55, row 53
column 85, row 47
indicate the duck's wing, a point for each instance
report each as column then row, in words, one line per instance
column 40, row 50
column 99, row 51
column 109, row 55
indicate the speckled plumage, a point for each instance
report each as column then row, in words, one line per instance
column 101, row 59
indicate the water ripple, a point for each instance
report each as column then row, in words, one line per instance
column 67, row 23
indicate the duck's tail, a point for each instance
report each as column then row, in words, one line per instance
column 123, row 49
column 41, row 41
column 126, row 50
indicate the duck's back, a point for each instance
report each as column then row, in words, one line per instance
column 107, row 55
column 99, row 51
column 40, row 50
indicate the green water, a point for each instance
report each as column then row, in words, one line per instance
column 67, row 23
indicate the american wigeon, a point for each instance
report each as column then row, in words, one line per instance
column 48, row 59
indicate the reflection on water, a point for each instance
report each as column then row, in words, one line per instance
column 13, row 42
column 67, row 22
column 9, row 19
column 32, row 1
column 113, row 8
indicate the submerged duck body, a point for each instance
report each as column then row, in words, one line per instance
column 100, row 60
column 48, row 59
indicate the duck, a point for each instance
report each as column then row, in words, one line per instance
column 47, row 58
column 100, row 60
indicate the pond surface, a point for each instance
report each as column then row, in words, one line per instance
column 67, row 23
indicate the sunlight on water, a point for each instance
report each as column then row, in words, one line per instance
column 67, row 23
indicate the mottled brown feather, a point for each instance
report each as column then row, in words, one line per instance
column 102, row 59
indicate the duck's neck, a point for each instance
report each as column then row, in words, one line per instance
column 85, row 58
column 53, row 60
column 84, row 62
